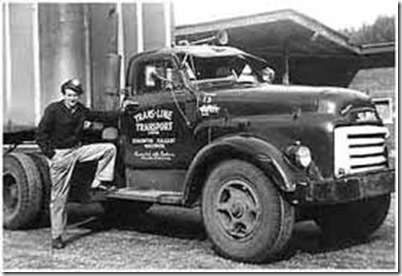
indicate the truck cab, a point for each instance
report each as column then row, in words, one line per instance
column 204, row 126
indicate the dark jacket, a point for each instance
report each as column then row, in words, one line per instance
column 59, row 128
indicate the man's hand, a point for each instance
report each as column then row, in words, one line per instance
column 129, row 105
column 87, row 125
column 92, row 125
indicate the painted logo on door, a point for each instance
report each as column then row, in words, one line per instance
column 154, row 130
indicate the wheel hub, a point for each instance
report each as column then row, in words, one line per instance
column 10, row 193
column 238, row 208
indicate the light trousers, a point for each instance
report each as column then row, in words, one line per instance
column 61, row 169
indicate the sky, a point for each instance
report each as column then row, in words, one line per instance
column 337, row 14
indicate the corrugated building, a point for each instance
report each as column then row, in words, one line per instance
column 45, row 44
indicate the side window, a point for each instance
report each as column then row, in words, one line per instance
column 156, row 76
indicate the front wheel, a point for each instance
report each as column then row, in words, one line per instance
column 245, row 216
column 356, row 220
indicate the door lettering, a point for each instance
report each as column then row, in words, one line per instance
column 151, row 123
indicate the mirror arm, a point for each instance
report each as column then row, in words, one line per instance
column 157, row 76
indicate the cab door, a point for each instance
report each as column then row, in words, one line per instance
column 157, row 134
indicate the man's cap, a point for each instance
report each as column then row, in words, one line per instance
column 73, row 84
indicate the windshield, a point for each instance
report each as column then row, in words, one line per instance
column 205, row 72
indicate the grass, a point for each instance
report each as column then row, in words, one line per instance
column 168, row 238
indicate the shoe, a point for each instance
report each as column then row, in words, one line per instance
column 58, row 243
column 105, row 188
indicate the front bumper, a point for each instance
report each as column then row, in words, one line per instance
column 347, row 189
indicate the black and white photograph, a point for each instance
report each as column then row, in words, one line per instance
column 200, row 136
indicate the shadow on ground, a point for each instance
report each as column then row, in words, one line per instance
column 307, row 238
column 164, row 221
column 184, row 223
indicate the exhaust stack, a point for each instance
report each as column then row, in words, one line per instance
column 112, row 81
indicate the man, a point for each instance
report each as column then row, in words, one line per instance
column 59, row 136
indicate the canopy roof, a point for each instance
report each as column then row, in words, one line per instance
column 266, row 34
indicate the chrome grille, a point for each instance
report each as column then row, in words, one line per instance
column 359, row 149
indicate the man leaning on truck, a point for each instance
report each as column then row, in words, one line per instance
column 59, row 136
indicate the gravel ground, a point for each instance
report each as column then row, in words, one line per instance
column 173, row 239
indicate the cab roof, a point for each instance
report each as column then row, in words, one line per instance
column 204, row 51
column 201, row 51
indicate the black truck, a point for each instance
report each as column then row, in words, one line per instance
column 204, row 125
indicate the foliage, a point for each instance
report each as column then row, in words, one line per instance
column 382, row 30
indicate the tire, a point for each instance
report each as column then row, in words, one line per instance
column 244, row 214
column 352, row 221
column 43, row 168
column 22, row 191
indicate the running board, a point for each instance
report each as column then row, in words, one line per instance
column 156, row 196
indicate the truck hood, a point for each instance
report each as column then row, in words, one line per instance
column 281, row 99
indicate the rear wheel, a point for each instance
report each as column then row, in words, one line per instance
column 356, row 220
column 22, row 191
column 245, row 215
column 43, row 168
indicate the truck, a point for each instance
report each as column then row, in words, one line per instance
column 205, row 126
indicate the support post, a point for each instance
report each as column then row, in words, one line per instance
column 286, row 73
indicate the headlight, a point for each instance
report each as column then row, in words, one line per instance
column 303, row 156
column 299, row 155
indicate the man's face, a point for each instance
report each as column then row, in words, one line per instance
column 71, row 98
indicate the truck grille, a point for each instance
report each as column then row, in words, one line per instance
column 359, row 149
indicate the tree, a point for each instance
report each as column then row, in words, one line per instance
column 382, row 30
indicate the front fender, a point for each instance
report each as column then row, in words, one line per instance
column 252, row 149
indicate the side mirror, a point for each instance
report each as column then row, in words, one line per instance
column 268, row 75
column 222, row 37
